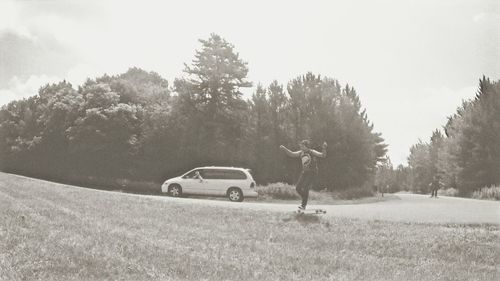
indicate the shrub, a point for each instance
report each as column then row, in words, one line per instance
column 278, row 190
column 488, row 193
column 453, row 192
column 354, row 193
column 284, row 191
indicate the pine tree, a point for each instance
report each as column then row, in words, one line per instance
column 211, row 95
column 436, row 155
column 420, row 167
column 479, row 155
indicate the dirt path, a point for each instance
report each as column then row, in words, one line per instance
column 406, row 208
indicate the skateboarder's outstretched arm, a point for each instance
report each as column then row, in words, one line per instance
column 290, row 153
column 321, row 154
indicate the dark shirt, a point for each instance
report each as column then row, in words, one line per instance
column 309, row 162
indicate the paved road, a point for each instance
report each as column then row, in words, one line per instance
column 406, row 208
column 421, row 208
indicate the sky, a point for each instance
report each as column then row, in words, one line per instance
column 411, row 62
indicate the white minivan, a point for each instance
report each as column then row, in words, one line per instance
column 234, row 183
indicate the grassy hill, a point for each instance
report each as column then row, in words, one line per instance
column 57, row 232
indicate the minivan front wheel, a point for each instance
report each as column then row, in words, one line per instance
column 175, row 190
column 234, row 194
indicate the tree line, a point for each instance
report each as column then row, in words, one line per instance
column 137, row 125
column 464, row 154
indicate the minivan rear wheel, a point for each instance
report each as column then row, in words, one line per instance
column 234, row 194
column 175, row 190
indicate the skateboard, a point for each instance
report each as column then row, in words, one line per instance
column 311, row 211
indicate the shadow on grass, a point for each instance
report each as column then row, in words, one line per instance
column 303, row 218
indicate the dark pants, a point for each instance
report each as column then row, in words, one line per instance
column 305, row 183
column 434, row 193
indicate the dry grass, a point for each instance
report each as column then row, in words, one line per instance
column 55, row 232
column 451, row 192
column 279, row 192
column 488, row 193
column 282, row 191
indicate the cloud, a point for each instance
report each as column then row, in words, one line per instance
column 479, row 17
column 18, row 88
column 29, row 45
column 37, row 54
column 9, row 19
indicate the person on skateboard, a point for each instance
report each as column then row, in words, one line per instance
column 309, row 168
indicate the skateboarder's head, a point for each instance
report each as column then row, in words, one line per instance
column 304, row 145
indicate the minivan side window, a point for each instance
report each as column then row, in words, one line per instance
column 213, row 174
column 191, row 174
column 221, row 174
column 235, row 175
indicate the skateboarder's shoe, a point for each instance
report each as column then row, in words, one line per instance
column 301, row 208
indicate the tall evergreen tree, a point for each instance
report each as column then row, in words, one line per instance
column 211, row 92
column 261, row 124
column 322, row 111
column 467, row 156
column 479, row 155
column 420, row 167
column 278, row 107
column 436, row 156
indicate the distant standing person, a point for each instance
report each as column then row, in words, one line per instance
column 383, row 189
column 309, row 168
column 434, row 186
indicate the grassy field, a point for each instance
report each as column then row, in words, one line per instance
column 56, row 232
